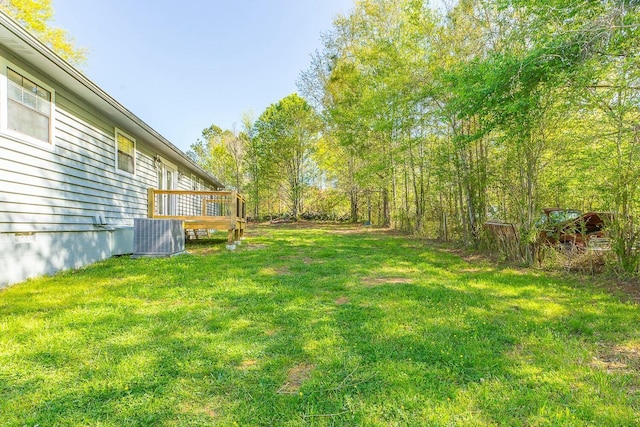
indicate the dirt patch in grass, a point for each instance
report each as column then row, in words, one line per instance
column 353, row 230
column 205, row 246
column 379, row 281
column 625, row 290
column 255, row 232
column 205, row 250
column 247, row 364
column 630, row 290
column 470, row 270
column 282, row 270
column 305, row 260
column 342, row 301
column 473, row 258
column 465, row 254
column 191, row 408
column 296, row 376
column 623, row 358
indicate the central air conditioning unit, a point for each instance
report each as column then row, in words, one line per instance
column 157, row 237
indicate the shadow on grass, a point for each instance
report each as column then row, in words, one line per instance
column 214, row 336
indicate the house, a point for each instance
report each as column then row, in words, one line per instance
column 75, row 165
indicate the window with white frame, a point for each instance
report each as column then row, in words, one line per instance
column 125, row 152
column 29, row 107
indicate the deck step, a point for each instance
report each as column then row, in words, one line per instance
column 198, row 233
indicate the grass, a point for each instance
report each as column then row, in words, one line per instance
column 316, row 326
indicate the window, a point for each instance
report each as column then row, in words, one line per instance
column 28, row 107
column 125, row 152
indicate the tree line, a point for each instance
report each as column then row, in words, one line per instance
column 436, row 121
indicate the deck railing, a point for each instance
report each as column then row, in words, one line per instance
column 213, row 210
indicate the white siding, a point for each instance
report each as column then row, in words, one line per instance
column 184, row 182
column 63, row 188
column 50, row 194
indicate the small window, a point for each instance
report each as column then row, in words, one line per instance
column 194, row 183
column 28, row 107
column 125, row 153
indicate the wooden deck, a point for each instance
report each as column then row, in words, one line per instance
column 201, row 210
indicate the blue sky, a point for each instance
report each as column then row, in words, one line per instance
column 182, row 66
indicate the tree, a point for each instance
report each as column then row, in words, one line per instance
column 35, row 16
column 255, row 164
column 288, row 131
column 370, row 82
column 221, row 153
column 235, row 145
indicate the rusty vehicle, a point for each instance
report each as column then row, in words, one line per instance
column 573, row 229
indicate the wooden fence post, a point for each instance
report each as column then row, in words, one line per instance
column 151, row 203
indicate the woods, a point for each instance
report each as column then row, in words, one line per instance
column 434, row 121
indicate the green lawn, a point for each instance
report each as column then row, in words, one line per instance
column 316, row 326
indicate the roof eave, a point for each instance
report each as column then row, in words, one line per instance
column 70, row 77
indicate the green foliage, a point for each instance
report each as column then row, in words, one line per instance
column 316, row 326
column 287, row 132
column 492, row 111
column 221, row 153
column 373, row 76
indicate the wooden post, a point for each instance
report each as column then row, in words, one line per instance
column 230, row 237
column 151, row 203
column 233, row 211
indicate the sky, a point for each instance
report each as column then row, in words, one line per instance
column 183, row 66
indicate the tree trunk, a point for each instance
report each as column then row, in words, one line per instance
column 386, row 216
column 353, row 199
